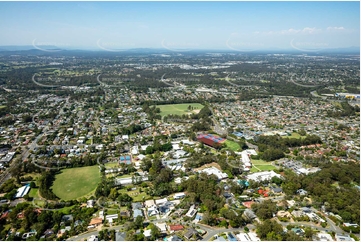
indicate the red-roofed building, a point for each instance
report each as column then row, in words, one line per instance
column 248, row 204
column 176, row 227
column 211, row 140
column 5, row 215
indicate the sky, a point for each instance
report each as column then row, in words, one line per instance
column 239, row 26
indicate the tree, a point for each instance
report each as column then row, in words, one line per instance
column 265, row 210
column 269, row 230
column 155, row 232
column 139, row 222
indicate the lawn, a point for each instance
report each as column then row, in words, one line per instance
column 232, row 145
column 179, row 109
column 261, row 165
column 294, row 135
column 259, row 162
column 136, row 195
column 112, row 165
column 34, row 193
column 74, row 183
column 266, row 167
column 2, row 106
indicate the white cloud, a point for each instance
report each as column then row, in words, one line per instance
column 309, row 30
column 335, row 28
column 291, row 31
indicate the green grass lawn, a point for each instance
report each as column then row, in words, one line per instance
column 294, row 135
column 232, row 145
column 266, row 167
column 136, row 195
column 2, row 106
column 178, row 109
column 261, row 165
column 66, row 210
column 34, row 193
column 112, row 164
column 74, row 183
column 259, row 162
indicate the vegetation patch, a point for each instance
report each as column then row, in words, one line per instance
column 76, row 182
column 34, row 193
column 232, row 145
column 259, row 162
column 266, row 167
column 295, row 136
column 179, row 109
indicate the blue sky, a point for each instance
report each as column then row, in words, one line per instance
column 240, row 26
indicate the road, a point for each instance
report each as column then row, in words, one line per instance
column 25, row 154
column 217, row 127
column 302, row 85
column 39, row 84
column 212, row 231
column 165, row 82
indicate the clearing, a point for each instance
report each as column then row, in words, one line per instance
column 232, row 145
column 179, row 109
column 74, row 183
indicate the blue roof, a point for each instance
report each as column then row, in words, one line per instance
column 137, row 212
column 231, row 237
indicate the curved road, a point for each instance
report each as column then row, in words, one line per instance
column 39, row 84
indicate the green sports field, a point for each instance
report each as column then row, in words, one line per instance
column 232, row 145
column 179, row 109
column 294, row 135
column 261, row 165
column 74, row 183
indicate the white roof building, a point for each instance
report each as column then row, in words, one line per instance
column 134, row 150
column 324, row 237
column 178, row 180
column 22, row 191
column 214, row 171
column 161, row 201
column 125, row 137
column 263, row 176
column 162, row 227
column 149, row 203
column 247, row 237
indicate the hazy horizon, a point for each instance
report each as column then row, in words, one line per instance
column 238, row 26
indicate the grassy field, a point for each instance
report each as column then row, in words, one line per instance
column 112, row 165
column 76, row 182
column 136, row 195
column 179, row 109
column 294, row 135
column 2, row 106
column 261, row 165
column 34, row 193
column 232, row 145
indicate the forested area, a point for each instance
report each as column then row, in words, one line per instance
column 273, row 147
column 333, row 187
column 345, row 111
column 45, row 182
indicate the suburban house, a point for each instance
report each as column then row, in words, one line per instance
column 179, row 195
column 175, row 228
column 137, row 212
column 152, row 210
column 95, row 222
column 191, row 212
column 190, row 233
